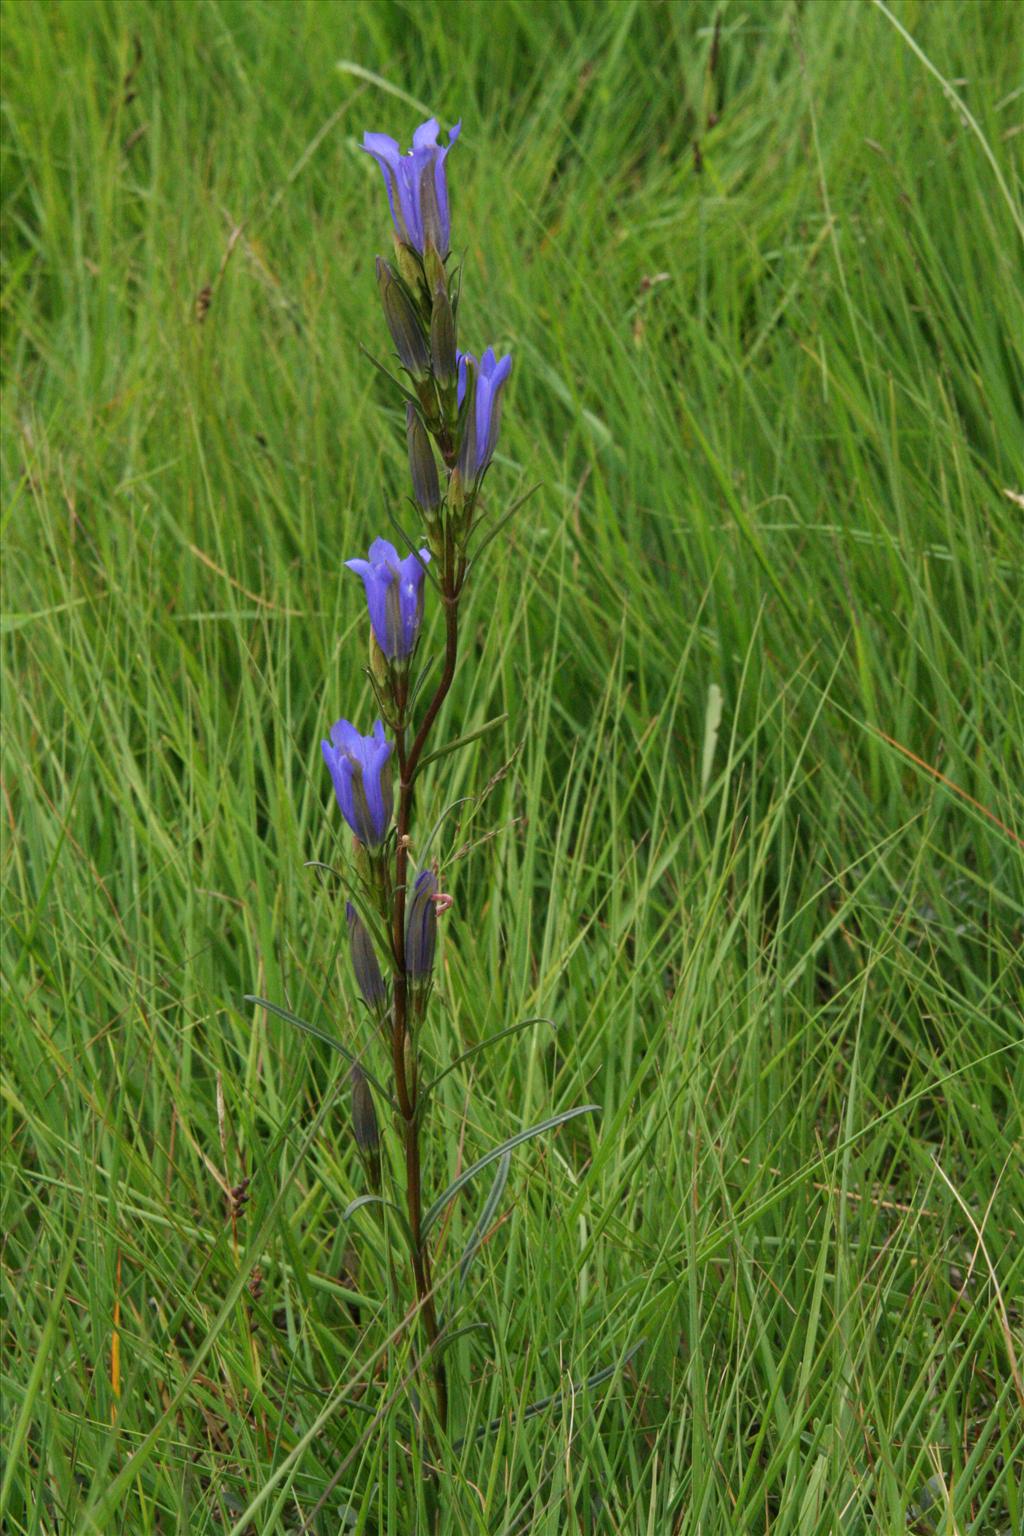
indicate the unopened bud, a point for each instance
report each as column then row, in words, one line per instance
column 403, row 323
column 466, row 462
column 442, row 340
column 409, row 267
column 425, row 485
column 379, row 669
column 433, row 270
column 364, row 962
column 421, row 929
column 364, row 1125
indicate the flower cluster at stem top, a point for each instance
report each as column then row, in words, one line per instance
column 453, row 415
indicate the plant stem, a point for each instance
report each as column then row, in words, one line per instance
column 405, row 1083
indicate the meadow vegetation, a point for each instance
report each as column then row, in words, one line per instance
column 750, row 833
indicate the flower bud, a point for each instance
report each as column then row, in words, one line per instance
column 466, row 462
column 410, row 268
column 421, row 929
column 380, row 671
column 364, row 962
column 403, row 323
column 442, row 341
column 480, row 389
column 364, row 1125
column 425, row 485
column 433, row 270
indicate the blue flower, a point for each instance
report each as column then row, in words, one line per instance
column 421, row 928
column 394, row 596
column 362, row 779
column 417, row 185
column 480, row 432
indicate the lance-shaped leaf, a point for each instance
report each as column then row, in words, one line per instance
column 447, row 1339
column 481, row 1045
column 439, row 823
column 558, row 1398
column 486, row 1216
column 468, row 1174
column 318, row 1034
column 462, row 741
column 364, row 1200
column 406, row 394
column 496, row 527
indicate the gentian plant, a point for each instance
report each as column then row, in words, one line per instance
column 453, row 407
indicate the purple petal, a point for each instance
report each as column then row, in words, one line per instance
column 441, row 183
column 383, row 553
column 376, row 581
column 344, row 736
column 377, row 785
column 383, row 147
column 426, row 134
column 377, row 603
column 502, row 371
column 331, row 759
column 388, row 156
column 483, row 415
column 409, row 201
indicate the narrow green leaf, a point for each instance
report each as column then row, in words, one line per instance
column 447, row 1339
column 463, row 800
column 319, row 1034
column 12, row 621
column 575, row 1389
column 506, row 517
column 406, row 394
column 496, row 1152
column 481, row 1045
column 16, row 1438
column 364, row 1200
column 360, row 72
column 486, row 1216
column 414, row 548
column 462, row 741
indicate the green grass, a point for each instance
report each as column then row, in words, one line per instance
column 774, row 409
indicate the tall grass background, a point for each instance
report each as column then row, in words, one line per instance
column 749, row 835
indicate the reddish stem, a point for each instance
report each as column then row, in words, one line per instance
column 406, row 1090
